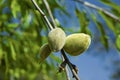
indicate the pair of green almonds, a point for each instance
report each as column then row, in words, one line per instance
column 73, row 44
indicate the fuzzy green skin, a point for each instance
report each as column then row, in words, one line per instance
column 44, row 52
column 56, row 39
column 77, row 43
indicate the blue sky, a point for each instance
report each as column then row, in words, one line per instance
column 96, row 63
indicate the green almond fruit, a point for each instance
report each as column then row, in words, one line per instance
column 44, row 52
column 56, row 39
column 77, row 43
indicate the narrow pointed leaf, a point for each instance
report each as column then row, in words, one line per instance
column 112, row 5
column 104, row 38
column 15, row 8
column 13, row 53
column 13, row 25
column 84, row 22
column 109, row 22
column 118, row 42
column 1, row 53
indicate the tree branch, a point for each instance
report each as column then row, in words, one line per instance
column 54, row 25
column 49, row 12
column 42, row 13
column 70, row 65
column 66, row 69
column 99, row 9
column 51, row 27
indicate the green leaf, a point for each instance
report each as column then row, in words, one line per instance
column 56, row 4
column 13, row 53
column 110, row 22
column 112, row 4
column 118, row 28
column 26, row 20
column 15, row 8
column 84, row 22
column 118, row 42
column 1, row 53
column 13, row 25
column 104, row 38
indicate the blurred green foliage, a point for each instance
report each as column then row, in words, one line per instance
column 21, row 36
column 20, row 41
